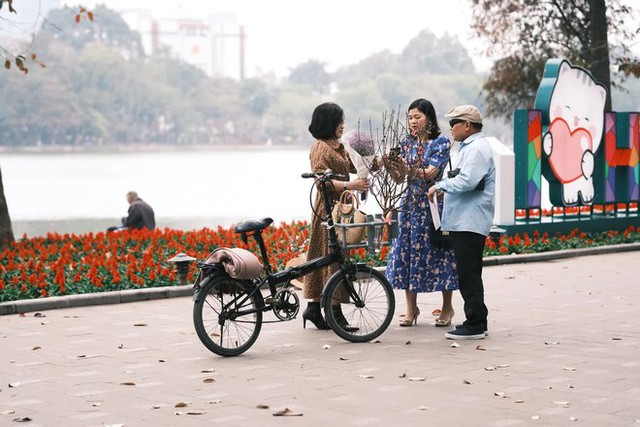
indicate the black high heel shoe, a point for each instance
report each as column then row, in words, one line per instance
column 342, row 321
column 314, row 315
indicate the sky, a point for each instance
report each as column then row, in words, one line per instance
column 284, row 33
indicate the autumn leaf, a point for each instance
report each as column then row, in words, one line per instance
column 208, row 380
column 181, row 405
column 77, row 19
column 90, row 16
column 286, row 412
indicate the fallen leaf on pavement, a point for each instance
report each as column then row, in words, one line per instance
column 616, row 338
column 140, row 324
column 518, row 401
column 568, row 368
column 286, row 412
column 417, row 379
column 181, row 405
column 8, row 412
column 407, row 343
column 573, row 419
column 39, row 315
column 262, row 406
column 326, row 347
column 466, row 382
column 21, row 419
column 205, row 371
column 36, row 348
column 208, row 380
column 195, row 413
column 551, row 343
column 15, row 384
column 128, row 383
column 366, row 377
column 481, row 348
column 455, row 345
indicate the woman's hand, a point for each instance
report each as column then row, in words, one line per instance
column 359, row 184
column 430, row 173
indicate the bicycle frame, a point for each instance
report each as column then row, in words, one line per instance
column 334, row 256
column 228, row 310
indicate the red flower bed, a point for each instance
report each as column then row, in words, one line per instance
column 76, row 264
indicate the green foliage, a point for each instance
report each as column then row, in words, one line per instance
column 98, row 88
column 523, row 35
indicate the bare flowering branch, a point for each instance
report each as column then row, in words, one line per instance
column 390, row 182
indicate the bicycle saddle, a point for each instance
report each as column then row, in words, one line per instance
column 253, row 225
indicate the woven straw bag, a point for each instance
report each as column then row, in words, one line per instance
column 346, row 211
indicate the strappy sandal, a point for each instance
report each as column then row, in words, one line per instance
column 442, row 322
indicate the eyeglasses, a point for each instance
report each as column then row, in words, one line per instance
column 454, row 122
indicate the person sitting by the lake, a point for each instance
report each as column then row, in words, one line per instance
column 140, row 214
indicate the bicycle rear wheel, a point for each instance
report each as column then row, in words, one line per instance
column 226, row 315
column 376, row 311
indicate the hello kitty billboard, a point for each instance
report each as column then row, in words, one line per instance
column 572, row 105
column 571, row 153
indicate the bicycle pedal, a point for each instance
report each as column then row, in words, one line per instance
column 270, row 300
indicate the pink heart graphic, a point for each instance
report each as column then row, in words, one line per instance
column 566, row 154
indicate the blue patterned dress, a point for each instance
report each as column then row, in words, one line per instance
column 413, row 264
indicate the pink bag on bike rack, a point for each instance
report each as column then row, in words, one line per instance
column 237, row 262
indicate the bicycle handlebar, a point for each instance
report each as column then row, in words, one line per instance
column 325, row 176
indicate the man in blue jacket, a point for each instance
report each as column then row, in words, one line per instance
column 469, row 204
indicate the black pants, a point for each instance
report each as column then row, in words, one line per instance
column 468, row 248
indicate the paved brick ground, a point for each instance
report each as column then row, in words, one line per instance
column 563, row 350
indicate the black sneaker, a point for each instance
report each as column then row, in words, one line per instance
column 464, row 333
column 460, row 325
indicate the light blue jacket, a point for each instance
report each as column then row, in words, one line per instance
column 465, row 208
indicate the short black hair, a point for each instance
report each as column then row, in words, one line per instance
column 426, row 107
column 325, row 120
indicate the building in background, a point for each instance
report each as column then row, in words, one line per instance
column 216, row 44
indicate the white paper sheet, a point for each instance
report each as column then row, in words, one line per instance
column 435, row 214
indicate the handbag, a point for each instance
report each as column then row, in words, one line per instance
column 346, row 211
column 439, row 238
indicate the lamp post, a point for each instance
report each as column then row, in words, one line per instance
column 182, row 262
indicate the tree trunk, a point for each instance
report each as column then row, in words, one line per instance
column 599, row 53
column 6, row 230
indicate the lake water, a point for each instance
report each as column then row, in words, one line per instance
column 81, row 192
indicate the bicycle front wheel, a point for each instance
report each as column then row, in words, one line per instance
column 366, row 317
column 226, row 315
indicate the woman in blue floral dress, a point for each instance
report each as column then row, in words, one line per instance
column 413, row 263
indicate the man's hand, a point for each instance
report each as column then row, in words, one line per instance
column 432, row 193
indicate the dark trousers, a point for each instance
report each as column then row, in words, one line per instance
column 468, row 248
